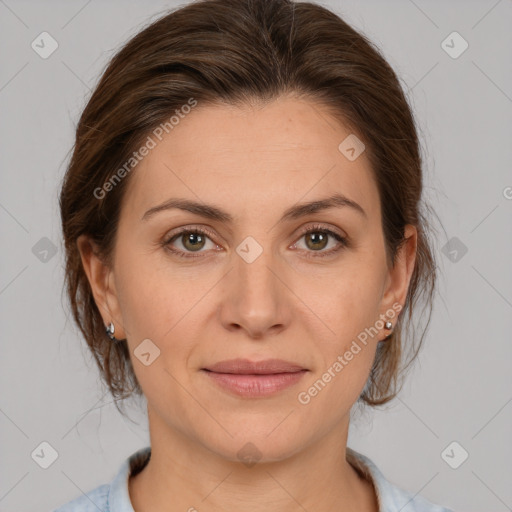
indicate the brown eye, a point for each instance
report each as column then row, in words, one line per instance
column 193, row 241
column 189, row 241
column 317, row 240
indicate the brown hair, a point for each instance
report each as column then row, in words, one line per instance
column 238, row 52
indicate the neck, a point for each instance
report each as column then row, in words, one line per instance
column 183, row 475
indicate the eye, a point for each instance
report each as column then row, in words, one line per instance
column 317, row 238
column 191, row 241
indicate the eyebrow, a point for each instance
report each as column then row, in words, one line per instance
column 297, row 211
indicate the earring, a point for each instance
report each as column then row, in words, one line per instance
column 388, row 325
column 110, row 332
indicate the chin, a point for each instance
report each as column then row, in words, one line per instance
column 253, row 444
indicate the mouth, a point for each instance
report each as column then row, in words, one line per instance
column 253, row 379
column 247, row 367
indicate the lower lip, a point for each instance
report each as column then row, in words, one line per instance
column 254, row 386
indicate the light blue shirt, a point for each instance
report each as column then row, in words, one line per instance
column 114, row 497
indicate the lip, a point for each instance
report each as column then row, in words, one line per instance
column 247, row 367
column 253, row 379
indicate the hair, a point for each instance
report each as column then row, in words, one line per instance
column 244, row 52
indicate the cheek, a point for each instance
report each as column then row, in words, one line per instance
column 349, row 306
column 152, row 297
column 346, row 356
column 347, row 300
column 167, row 309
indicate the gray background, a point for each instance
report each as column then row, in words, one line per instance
column 459, row 390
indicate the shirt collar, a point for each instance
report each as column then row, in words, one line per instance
column 389, row 497
column 119, row 496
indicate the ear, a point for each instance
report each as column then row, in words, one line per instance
column 101, row 280
column 399, row 276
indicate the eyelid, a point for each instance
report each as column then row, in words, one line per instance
column 321, row 227
column 190, row 228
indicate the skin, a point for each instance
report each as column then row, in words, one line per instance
column 254, row 163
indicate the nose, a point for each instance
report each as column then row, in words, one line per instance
column 256, row 297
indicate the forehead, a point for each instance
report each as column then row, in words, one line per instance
column 252, row 157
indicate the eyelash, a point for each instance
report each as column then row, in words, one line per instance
column 343, row 242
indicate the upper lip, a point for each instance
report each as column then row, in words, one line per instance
column 247, row 367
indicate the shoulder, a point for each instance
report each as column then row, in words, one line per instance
column 94, row 500
column 112, row 497
column 391, row 498
column 408, row 502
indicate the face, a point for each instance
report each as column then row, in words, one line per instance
column 190, row 289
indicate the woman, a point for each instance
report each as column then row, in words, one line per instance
column 243, row 227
